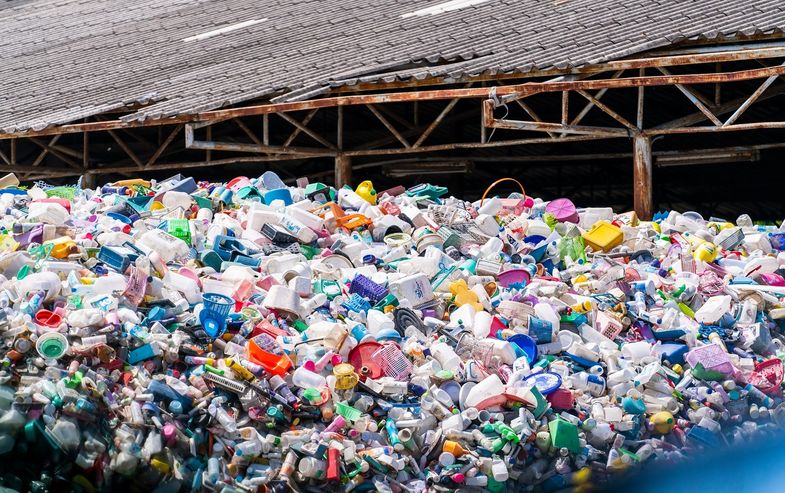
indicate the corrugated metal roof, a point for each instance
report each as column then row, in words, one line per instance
column 64, row 60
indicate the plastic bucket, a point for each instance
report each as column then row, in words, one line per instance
column 282, row 194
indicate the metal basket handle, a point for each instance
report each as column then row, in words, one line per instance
column 523, row 191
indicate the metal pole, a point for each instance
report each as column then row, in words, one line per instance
column 642, row 167
column 343, row 170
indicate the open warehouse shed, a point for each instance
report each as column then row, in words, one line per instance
column 644, row 104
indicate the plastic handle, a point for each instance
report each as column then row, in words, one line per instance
column 333, row 472
column 523, row 191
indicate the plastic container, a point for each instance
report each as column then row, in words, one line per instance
column 52, row 345
column 213, row 315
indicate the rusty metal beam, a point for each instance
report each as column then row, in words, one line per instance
column 483, row 127
column 565, row 108
column 509, row 92
column 534, row 116
column 297, row 131
column 723, row 109
column 45, row 151
column 393, row 116
column 302, row 152
column 639, row 109
column 491, row 122
column 753, row 97
column 315, row 136
column 475, row 145
column 61, row 149
column 247, row 131
column 339, row 130
column 557, row 127
column 163, row 146
column 389, row 126
column 513, row 90
column 597, row 96
column 606, row 109
column 642, row 173
column 436, row 122
column 729, row 128
column 695, row 98
column 717, row 87
column 125, row 148
column 54, row 150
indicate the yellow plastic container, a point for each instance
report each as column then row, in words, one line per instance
column 366, row 191
column 131, row 182
column 603, row 236
column 62, row 247
column 8, row 243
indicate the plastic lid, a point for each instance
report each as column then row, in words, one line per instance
column 546, row 382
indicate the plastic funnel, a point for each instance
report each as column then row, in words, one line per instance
column 52, row 345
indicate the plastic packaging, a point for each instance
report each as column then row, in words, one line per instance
column 245, row 335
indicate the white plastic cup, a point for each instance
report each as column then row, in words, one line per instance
column 482, row 324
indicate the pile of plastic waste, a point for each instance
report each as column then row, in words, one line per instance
column 252, row 336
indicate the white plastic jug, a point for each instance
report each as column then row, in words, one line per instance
column 164, row 244
column 48, row 282
column 177, row 200
column 47, row 212
column 187, row 286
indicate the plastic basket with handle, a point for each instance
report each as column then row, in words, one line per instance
column 501, row 180
column 67, row 193
column 213, row 315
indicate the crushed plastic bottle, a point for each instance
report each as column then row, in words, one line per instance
column 194, row 336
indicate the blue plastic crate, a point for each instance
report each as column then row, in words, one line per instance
column 116, row 258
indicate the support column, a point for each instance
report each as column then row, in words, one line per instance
column 343, row 170
column 88, row 180
column 642, row 169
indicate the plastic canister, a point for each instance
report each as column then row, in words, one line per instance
column 186, row 285
column 49, row 282
column 177, row 200
column 416, row 288
column 47, row 212
column 164, row 244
